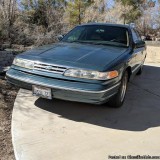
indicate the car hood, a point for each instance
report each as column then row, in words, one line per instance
column 76, row 55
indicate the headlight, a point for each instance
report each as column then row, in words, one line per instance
column 23, row 63
column 91, row 74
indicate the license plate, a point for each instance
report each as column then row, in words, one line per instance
column 42, row 92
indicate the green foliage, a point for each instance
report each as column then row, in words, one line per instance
column 37, row 10
column 138, row 6
column 76, row 9
column 134, row 13
column 39, row 21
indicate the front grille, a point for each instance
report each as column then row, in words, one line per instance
column 49, row 68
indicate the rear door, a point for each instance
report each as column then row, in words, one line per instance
column 139, row 50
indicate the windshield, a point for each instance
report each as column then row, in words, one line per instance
column 99, row 35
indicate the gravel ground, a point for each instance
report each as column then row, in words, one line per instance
column 7, row 96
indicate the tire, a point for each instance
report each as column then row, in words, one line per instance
column 118, row 99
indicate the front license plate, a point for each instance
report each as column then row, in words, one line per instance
column 42, row 92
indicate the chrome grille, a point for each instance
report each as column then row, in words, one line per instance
column 49, row 68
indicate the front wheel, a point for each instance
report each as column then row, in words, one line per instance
column 118, row 99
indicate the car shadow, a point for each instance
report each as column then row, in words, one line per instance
column 140, row 111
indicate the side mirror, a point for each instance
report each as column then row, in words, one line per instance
column 143, row 38
column 60, row 37
column 138, row 44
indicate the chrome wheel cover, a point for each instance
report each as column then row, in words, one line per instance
column 124, row 87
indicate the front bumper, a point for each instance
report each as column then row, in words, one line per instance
column 63, row 89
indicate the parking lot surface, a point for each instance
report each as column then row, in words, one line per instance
column 60, row 130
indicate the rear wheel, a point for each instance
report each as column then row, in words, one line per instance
column 118, row 99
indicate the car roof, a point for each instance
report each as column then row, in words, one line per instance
column 107, row 24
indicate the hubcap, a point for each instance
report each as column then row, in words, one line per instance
column 123, row 88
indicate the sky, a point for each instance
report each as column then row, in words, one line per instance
column 110, row 3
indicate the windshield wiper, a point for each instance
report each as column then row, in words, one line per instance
column 97, row 43
column 80, row 42
column 110, row 44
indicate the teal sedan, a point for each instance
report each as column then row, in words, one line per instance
column 92, row 63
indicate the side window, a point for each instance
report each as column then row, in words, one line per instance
column 136, row 36
column 75, row 36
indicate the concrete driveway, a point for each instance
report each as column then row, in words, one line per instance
column 61, row 130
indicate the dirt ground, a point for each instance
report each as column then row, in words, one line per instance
column 7, row 96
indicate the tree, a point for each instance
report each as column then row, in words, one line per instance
column 158, row 17
column 118, row 13
column 76, row 9
column 8, row 10
column 43, row 19
column 130, row 15
column 95, row 12
column 40, row 11
column 146, row 22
